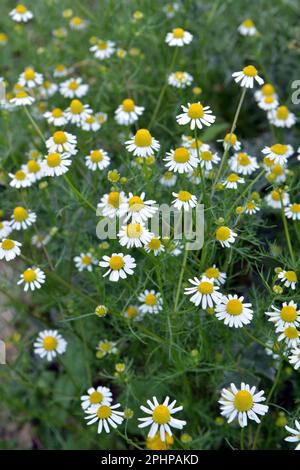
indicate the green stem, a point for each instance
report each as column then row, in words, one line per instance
column 78, row 194
column 242, row 439
column 35, row 125
column 180, row 279
column 286, row 230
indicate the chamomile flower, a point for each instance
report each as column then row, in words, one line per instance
column 214, row 273
column 101, row 117
column 292, row 211
column 56, row 164
column 247, row 28
column 30, row 78
column 21, row 14
column 195, row 146
column 196, row 115
column 225, row 236
column 97, row 159
column 138, row 209
column 103, row 49
column 277, row 173
column 246, row 77
column 170, row 9
column 294, row 434
column 279, row 153
column 273, row 199
column 267, row 103
column 85, row 261
column 106, row 347
column 20, row 179
column 287, row 315
column 204, row 292
column 266, row 90
column 154, row 246
column 62, row 142
column 251, row 208
column 32, row 278
column 168, row 179
column 33, row 168
column 151, row 301
column 113, row 204
column 60, row 71
column 22, row 218
column 5, row 228
column 77, row 23
column 106, row 416
column 243, row 403
column 90, row 123
column 22, row 98
column 290, row 335
column 128, row 112
column 132, row 312
column 39, row 240
column 178, row 37
column 56, row 117
column 180, row 160
column 288, row 278
column 119, row 266
column 77, row 112
column 73, row 88
column 96, row 396
column 207, row 159
column 231, row 140
column 48, row 89
column 184, row 200
column 180, row 79
column 282, row 117
column 233, row 180
column 294, row 358
column 160, row 417
column 9, row 249
column 142, row 144
column 243, row 163
column 233, row 312
column 49, row 344
column 134, row 234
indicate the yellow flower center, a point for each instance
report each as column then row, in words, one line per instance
column 161, row 414
column 132, row 311
column 212, row 273
column 90, row 119
column 178, row 33
column 134, row 230
column 243, row 159
column 179, row 76
column 47, row 84
column 73, row 85
column 268, row 89
column 57, row 112
column 116, row 262
column 128, row 105
column 243, row 400
column 291, row 276
column 7, row 244
column 251, row 205
column 275, row 195
column 102, row 45
column 103, row 412
column 96, row 156
column 205, row 287
column 230, row 139
column 248, row 23
column 59, row 138
column 295, row 208
column 86, row 259
column 288, row 313
column 136, row 204
column 195, row 111
column 196, row 143
column 105, row 346
column 282, row 113
column 150, row 299
column 76, row 21
column 279, row 149
column 234, row 307
column 206, row 155
column 181, row 155
column 21, row 94
column 277, row 170
column 143, row 138
column 53, row 160
column 20, row 175
column 184, row 196
column 60, row 68
column 29, row 275
column 168, row 175
column 50, row 343
column 76, row 107
column 33, row 166
column 269, row 99
column 21, row 9
column 29, row 73
column 233, row 178
column 114, row 199
column 222, row 233
column 250, row 71
column 20, row 214
column 291, row 332
column 154, row 244
column 96, row 397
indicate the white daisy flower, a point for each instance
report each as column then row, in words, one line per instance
column 170, row 9
column 90, row 124
column 267, row 103
column 288, row 278
column 273, row 199
column 168, row 179
column 106, row 347
column 233, row 180
column 160, row 418
column 266, row 90
column 142, row 144
column 290, row 335
column 33, row 169
column 49, row 344
column 247, row 28
column 196, row 115
column 56, row 117
column 282, row 117
column 233, row 312
column 180, row 160
column 204, row 292
column 294, row 434
column 184, row 200
column 22, row 218
column 32, row 278
column 62, row 142
column 214, row 273
column 77, row 112
column 154, row 246
column 134, row 234
column 39, row 240
column 231, row 140
column 292, row 211
column 56, row 164
column 103, row 49
column 21, row 14
column 97, row 159
column 96, row 396
column 5, row 228
column 113, row 204
column 106, row 416
column 247, row 76
column 243, row 163
column 22, row 98
column 61, row 71
column 9, row 249
column 132, row 312
column 180, row 79
column 20, row 179
column 279, row 153
column 251, row 208
column 242, row 403
column 207, row 159
column 288, row 315
column 128, row 112
column 225, row 236
column 278, row 173
column 294, row 358
column 178, row 37
column 151, row 301
column 139, row 210
column 78, row 24
column 195, row 146
column 73, row 88
column 85, row 261
column 119, row 266
column 48, row 89
column 30, row 78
